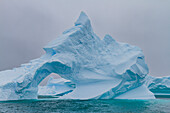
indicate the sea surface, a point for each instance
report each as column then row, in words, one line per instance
column 86, row 106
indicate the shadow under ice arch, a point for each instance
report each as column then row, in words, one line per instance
column 101, row 69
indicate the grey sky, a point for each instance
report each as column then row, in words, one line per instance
column 28, row 25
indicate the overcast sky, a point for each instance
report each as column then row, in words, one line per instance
column 26, row 26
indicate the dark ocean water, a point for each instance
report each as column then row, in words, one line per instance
column 86, row 106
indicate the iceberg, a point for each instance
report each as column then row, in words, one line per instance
column 158, row 85
column 100, row 68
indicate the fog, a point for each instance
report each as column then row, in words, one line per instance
column 26, row 26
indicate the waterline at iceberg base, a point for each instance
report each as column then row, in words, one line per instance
column 100, row 69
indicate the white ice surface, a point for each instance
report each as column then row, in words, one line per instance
column 91, row 90
column 141, row 92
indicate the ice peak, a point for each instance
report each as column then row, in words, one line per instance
column 83, row 20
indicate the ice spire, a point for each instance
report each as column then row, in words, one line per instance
column 83, row 20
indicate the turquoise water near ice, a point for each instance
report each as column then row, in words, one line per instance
column 86, row 106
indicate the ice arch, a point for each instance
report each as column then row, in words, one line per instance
column 101, row 69
column 23, row 82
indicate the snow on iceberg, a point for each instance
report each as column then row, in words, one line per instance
column 101, row 69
